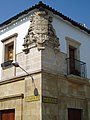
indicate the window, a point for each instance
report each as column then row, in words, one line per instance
column 72, row 51
column 7, row 114
column 74, row 65
column 73, row 48
column 9, row 48
column 9, row 51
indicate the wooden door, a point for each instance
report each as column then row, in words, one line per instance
column 8, row 115
column 74, row 114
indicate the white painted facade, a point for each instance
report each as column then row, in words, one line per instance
column 63, row 29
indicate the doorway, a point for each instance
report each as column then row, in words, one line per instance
column 72, row 52
column 74, row 114
column 7, row 114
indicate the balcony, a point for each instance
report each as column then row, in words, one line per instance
column 76, row 67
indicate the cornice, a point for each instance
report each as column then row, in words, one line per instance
column 17, row 96
column 13, row 35
column 38, row 6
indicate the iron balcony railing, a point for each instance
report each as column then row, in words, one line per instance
column 76, row 67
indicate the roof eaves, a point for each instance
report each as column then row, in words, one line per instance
column 41, row 4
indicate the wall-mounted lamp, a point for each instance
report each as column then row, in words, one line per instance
column 16, row 64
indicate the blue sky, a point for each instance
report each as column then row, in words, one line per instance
column 78, row 10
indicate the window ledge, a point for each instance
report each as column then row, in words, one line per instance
column 6, row 64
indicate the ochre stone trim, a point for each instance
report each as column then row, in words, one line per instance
column 17, row 96
column 12, row 80
column 13, row 35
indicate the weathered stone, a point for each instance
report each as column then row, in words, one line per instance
column 40, row 32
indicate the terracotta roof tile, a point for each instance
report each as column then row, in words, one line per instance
column 41, row 4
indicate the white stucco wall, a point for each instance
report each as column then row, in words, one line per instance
column 63, row 30
column 21, row 28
